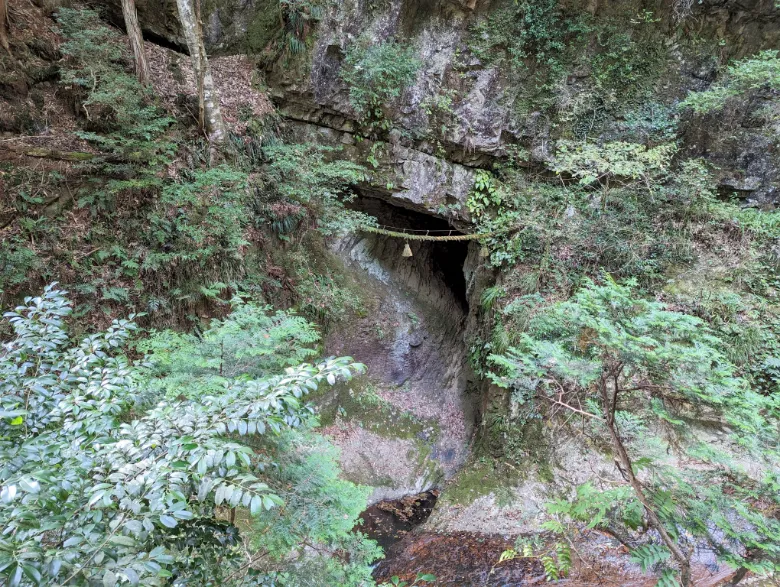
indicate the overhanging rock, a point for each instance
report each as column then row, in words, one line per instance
column 405, row 176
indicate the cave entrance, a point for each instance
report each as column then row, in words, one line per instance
column 444, row 259
column 410, row 335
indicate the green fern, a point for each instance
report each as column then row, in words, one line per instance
column 649, row 555
column 563, row 552
column 508, row 555
column 249, row 341
column 556, row 561
column 553, row 526
column 214, row 290
column 668, row 579
column 490, row 295
column 550, row 568
column 116, row 294
column 377, row 74
column 528, row 550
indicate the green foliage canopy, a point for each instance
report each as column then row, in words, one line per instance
column 97, row 488
column 314, row 176
column 618, row 161
column 251, row 342
column 624, row 362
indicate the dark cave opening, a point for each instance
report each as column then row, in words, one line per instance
column 446, row 258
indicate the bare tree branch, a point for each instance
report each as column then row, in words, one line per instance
column 627, row 470
column 558, row 402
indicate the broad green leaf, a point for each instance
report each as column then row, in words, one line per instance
column 122, row 540
column 109, row 579
column 168, row 521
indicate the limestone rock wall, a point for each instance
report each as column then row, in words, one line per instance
column 408, row 176
column 482, row 123
column 469, row 110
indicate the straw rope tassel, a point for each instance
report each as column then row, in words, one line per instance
column 425, row 237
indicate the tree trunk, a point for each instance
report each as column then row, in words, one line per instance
column 210, row 115
column 4, row 26
column 609, row 405
column 136, row 41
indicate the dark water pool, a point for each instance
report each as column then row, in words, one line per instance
column 390, row 521
column 460, row 558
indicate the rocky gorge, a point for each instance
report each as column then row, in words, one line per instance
column 470, row 107
column 494, row 85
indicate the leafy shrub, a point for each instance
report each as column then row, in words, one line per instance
column 114, row 103
column 485, row 194
column 324, row 297
column 753, row 73
column 650, row 122
column 532, row 43
column 377, row 74
column 249, row 342
column 607, row 350
column 551, row 236
column 320, row 508
column 200, row 217
column 523, row 30
column 96, row 489
column 17, row 260
column 630, row 58
column 121, row 117
column 313, row 176
column 616, row 161
column 299, row 18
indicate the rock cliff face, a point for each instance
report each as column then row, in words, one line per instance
column 471, row 105
column 400, row 173
column 469, row 108
column 411, row 337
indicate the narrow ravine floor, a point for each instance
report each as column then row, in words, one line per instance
column 406, row 427
column 458, row 559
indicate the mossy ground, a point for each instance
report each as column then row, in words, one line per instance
column 478, row 478
column 359, row 402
